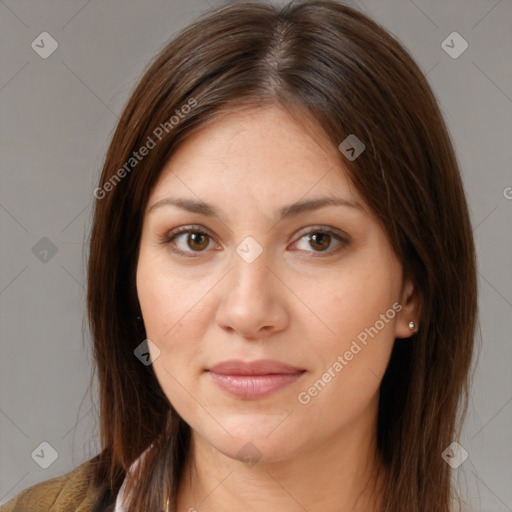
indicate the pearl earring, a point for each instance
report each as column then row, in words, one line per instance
column 412, row 325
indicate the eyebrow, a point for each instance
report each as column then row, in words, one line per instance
column 288, row 211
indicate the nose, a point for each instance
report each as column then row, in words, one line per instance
column 252, row 300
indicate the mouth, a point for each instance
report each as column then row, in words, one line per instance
column 255, row 379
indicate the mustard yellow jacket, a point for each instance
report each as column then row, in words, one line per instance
column 72, row 492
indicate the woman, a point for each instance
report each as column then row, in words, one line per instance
column 281, row 281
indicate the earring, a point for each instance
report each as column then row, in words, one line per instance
column 412, row 325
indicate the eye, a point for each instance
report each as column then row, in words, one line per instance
column 321, row 239
column 187, row 239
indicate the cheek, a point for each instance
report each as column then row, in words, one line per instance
column 174, row 318
column 360, row 307
column 169, row 303
column 354, row 301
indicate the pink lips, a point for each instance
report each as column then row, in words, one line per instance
column 255, row 379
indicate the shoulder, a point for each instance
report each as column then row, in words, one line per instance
column 71, row 492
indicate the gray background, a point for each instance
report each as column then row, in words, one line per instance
column 58, row 115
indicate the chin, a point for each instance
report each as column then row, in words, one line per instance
column 255, row 445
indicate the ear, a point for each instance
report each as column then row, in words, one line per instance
column 411, row 309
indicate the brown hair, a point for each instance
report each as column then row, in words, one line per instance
column 328, row 63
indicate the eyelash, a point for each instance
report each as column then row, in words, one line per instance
column 169, row 238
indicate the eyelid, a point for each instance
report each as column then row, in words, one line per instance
column 323, row 229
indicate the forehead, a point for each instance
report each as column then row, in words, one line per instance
column 261, row 151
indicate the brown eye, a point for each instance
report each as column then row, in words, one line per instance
column 188, row 241
column 197, row 241
column 320, row 241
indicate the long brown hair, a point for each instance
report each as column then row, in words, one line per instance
column 328, row 63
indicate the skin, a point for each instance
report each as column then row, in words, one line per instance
column 295, row 303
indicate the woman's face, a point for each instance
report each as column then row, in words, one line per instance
column 315, row 288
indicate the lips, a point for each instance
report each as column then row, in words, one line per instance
column 259, row 367
column 255, row 379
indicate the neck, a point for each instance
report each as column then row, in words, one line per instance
column 338, row 475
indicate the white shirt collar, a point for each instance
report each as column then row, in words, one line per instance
column 120, row 506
